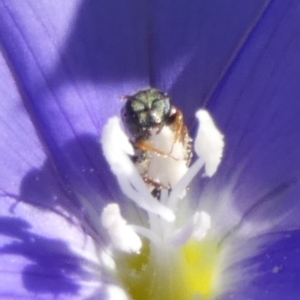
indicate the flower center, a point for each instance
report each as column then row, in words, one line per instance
column 176, row 256
column 163, row 273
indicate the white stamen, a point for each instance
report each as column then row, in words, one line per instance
column 106, row 259
column 203, row 224
column 123, row 237
column 114, row 292
column 116, row 148
column 209, row 142
column 197, row 227
column 181, row 186
column 147, row 233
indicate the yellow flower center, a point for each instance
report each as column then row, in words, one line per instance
column 168, row 273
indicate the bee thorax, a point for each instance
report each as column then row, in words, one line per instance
column 166, row 160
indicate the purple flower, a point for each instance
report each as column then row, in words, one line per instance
column 64, row 68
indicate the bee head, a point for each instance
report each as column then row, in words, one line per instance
column 145, row 110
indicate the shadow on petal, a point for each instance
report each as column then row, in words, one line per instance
column 74, row 190
column 78, row 186
column 107, row 43
column 53, row 267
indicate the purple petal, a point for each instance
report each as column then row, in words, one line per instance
column 277, row 275
column 257, row 107
column 21, row 149
column 71, row 64
column 193, row 44
column 67, row 112
column 43, row 250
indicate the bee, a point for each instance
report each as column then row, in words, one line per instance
column 162, row 145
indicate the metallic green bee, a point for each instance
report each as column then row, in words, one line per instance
column 159, row 136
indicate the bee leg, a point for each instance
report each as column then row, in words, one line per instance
column 157, row 187
column 146, row 146
column 179, row 127
column 154, row 184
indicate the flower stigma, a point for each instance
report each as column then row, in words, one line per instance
column 173, row 253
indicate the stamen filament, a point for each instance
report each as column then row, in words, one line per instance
column 197, row 226
column 183, row 183
column 147, row 233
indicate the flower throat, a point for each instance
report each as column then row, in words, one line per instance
column 175, row 255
